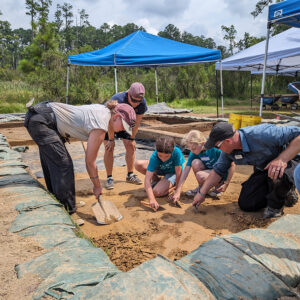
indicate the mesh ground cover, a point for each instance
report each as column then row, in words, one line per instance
column 288, row 223
column 231, row 274
column 45, row 215
column 278, row 251
column 158, row 278
column 69, row 269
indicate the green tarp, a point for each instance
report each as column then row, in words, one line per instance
column 69, row 269
column 158, row 278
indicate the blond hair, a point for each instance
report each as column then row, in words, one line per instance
column 111, row 105
column 194, row 136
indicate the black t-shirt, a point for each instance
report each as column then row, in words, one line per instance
column 123, row 98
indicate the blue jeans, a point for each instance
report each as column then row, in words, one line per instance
column 297, row 177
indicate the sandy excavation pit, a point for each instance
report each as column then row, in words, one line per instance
column 142, row 234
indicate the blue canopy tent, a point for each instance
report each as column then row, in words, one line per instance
column 141, row 49
column 286, row 12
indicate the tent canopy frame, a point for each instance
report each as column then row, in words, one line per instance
column 135, row 49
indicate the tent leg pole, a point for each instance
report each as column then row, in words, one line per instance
column 67, row 94
column 264, row 72
column 221, row 80
column 217, row 98
column 116, row 80
column 251, row 96
column 156, row 87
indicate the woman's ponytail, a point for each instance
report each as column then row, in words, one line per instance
column 111, row 105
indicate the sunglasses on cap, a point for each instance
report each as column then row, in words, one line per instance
column 135, row 100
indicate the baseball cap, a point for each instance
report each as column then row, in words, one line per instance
column 128, row 116
column 219, row 132
column 137, row 90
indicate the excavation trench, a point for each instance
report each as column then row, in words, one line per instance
column 142, row 234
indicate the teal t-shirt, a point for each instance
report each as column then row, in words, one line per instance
column 208, row 157
column 163, row 168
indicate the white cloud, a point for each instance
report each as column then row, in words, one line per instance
column 194, row 16
column 240, row 8
column 147, row 25
column 165, row 8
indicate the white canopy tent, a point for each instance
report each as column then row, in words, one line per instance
column 283, row 56
column 284, row 12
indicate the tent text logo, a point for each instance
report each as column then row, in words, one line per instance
column 277, row 13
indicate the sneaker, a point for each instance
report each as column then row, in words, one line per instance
column 109, row 183
column 79, row 222
column 214, row 194
column 80, row 204
column 192, row 193
column 270, row 212
column 291, row 198
column 132, row 178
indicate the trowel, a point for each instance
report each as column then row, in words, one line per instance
column 105, row 212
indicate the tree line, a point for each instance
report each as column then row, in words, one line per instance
column 38, row 55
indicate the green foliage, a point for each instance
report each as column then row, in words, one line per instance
column 26, row 66
column 248, row 41
column 41, row 56
column 261, row 5
column 229, row 35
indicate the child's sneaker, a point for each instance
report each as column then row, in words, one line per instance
column 80, row 204
column 79, row 222
column 214, row 194
column 132, row 178
column 109, row 183
column 192, row 193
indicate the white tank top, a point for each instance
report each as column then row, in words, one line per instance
column 78, row 121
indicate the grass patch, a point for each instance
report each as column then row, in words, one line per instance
column 7, row 108
column 80, row 234
column 15, row 94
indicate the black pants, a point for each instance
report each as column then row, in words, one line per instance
column 55, row 160
column 260, row 190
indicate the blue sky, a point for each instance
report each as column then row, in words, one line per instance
column 194, row 16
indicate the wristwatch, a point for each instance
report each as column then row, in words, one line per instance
column 203, row 195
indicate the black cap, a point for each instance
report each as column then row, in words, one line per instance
column 220, row 132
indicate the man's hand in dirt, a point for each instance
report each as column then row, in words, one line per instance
column 110, row 145
column 154, row 205
column 198, row 199
column 222, row 188
column 97, row 191
column 276, row 168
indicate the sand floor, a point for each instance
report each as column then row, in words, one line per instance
column 172, row 232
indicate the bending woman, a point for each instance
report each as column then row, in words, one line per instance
column 51, row 124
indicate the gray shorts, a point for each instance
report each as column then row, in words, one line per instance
column 170, row 176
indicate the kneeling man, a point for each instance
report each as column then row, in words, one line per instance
column 271, row 150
